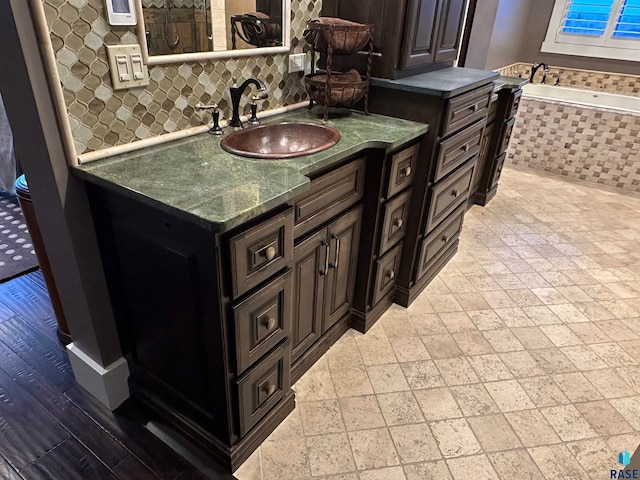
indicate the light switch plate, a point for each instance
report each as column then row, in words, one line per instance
column 297, row 62
column 127, row 67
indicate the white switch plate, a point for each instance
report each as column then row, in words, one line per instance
column 297, row 62
column 127, row 68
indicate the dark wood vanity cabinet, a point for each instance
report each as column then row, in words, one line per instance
column 411, row 36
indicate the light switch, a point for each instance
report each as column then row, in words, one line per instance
column 127, row 67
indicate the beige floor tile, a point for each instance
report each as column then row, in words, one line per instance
column 414, row 443
column 387, row 378
column 619, row 443
column 474, row 400
column 341, row 476
column 472, row 343
column 471, row 301
column 629, row 408
column 291, row 427
column 568, row 423
column 509, row 395
column 396, row 323
column 514, row 317
column 457, row 322
column 361, row 413
column 532, row 428
column 632, row 347
column 515, row 464
column 583, row 357
column 456, row 371
column 549, row 295
column 441, row 346
column 498, row 299
column 568, row 313
column 321, row 416
column 292, row 466
column 351, row 380
column 329, row 454
column 613, row 354
column 561, row 335
column 532, row 337
column 552, row 360
column 523, row 297
column 444, row 303
column 594, row 311
column 251, row 469
column 458, row 284
column 486, row 320
column 541, row 315
column 521, row 364
column 576, row 387
column 619, row 308
column 490, row 368
column 494, row 433
column 455, row 438
column 543, row 391
column 589, row 333
column 633, row 324
column 533, row 280
column 344, row 352
column 428, row 471
column 557, row 463
column 427, row 324
column 437, row 404
column 373, row 449
column 503, row 340
column 391, row 473
column 422, row 375
column 595, row 456
column 483, row 283
column 631, row 375
column 609, row 383
column 409, row 349
column 603, row 418
column 400, row 408
column 375, row 350
column 617, row 330
column 478, row 464
column 316, row 384
column 574, row 293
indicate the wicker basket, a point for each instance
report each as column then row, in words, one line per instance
column 344, row 36
column 345, row 89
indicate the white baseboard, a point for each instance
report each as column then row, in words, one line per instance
column 108, row 384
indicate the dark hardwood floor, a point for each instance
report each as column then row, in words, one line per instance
column 50, row 428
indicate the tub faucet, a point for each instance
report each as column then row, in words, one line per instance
column 535, row 68
column 236, row 94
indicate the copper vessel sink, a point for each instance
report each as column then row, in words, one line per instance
column 277, row 141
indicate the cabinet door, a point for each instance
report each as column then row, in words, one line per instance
column 421, row 33
column 450, row 24
column 483, row 160
column 309, row 273
column 344, row 236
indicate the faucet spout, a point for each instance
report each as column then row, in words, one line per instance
column 534, row 69
column 236, row 94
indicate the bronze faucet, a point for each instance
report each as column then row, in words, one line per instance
column 535, row 68
column 236, row 94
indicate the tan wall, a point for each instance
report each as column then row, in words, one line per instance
column 101, row 118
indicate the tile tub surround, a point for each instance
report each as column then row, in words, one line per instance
column 520, row 360
column 586, row 79
column 101, row 118
column 583, row 143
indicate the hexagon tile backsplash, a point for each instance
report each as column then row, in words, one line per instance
column 101, row 118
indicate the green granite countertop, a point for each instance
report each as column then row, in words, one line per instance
column 509, row 82
column 447, row 82
column 197, row 180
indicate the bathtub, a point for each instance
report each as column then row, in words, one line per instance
column 589, row 98
column 584, row 135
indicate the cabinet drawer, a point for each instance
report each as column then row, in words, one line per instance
column 261, row 251
column 385, row 274
column 329, row 195
column 447, row 195
column 403, row 167
column 394, row 223
column 466, row 109
column 457, row 149
column 263, row 387
column 262, row 320
column 514, row 103
column 493, row 108
column 439, row 240
column 505, row 136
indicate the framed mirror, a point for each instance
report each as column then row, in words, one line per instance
column 172, row 31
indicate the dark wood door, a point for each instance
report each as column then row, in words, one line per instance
column 344, row 236
column 449, row 29
column 421, row 32
column 309, row 273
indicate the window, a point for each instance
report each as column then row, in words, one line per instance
column 595, row 28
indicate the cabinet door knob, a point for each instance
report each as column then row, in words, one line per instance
column 445, row 239
column 270, row 253
column 455, row 193
column 398, row 222
column 466, row 147
column 407, row 171
column 270, row 323
column 270, row 389
column 391, row 274
column 474, row 108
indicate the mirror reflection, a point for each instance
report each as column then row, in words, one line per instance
column 189, row 26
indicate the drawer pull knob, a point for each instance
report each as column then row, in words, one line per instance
column 407, row 171
column 270, row 323
column 398, row 222
column 391, row 274
column 270, row 389
column 474, row 108
column 270, row 253
column 445, row 238
column 466, row 147
column 455, row 193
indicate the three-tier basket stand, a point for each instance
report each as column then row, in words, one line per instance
column 335, row 36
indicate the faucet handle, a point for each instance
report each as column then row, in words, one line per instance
column 202, row 106
column 235, row 82
column 260, row 96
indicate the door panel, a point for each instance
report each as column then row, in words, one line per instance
column 310, row 257
column 419, row 42
column 450, row 25
column 344, row 235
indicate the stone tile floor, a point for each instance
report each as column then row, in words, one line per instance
column 520, row 360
